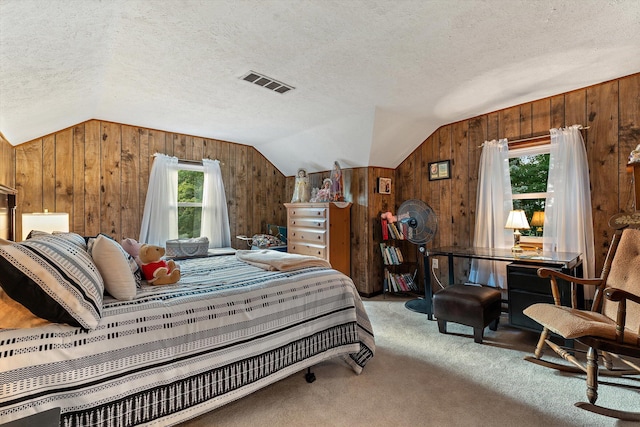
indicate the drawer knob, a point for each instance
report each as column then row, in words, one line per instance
column 319, row 237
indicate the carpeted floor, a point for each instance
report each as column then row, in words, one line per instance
column 420, row 377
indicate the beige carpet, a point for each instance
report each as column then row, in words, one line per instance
column 420, row 377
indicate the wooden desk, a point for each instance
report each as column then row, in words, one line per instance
column 569, row 263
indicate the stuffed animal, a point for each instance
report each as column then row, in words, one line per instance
column 156, row 270
column 389, row 217
column 132, row 247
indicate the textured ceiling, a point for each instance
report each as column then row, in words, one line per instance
column 373, row 78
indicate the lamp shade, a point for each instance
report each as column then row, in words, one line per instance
column 538, row 219
column 517, row 220
column 44, row 221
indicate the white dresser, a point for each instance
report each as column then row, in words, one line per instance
column 322, row 230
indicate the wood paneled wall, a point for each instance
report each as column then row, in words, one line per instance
column 98, row 172
column 611, row 110
column 7, row 163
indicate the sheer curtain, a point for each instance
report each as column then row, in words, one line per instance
column 492, row 209
column 568, row 223
column 215, row 218
column 160, row 217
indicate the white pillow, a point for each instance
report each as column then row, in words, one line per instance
column 113, row 265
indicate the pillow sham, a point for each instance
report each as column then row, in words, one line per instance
column 113, row 264
column 54, row 278
column 133, row 265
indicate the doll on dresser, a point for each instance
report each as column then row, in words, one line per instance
column 301, row 189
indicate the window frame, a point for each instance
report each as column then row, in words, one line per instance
column 193, row 167
column 540, row 146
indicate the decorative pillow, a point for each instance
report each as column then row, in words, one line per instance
column 54, row 278
column 35, row 233
column 113, row 264
column 134, row 266
column 74, row 238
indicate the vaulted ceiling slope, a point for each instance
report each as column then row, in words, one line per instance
column 372, row 78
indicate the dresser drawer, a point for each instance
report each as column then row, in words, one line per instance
column 307, row 249
column 307, row 235
column 308, row 212
column 304, row 222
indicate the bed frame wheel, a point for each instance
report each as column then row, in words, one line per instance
column 310, row 376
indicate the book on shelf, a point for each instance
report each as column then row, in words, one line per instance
column 391, row 255
column 385, row 229
column 399, row 255
column 394, row 231
column 399, row 282
column 385, row 257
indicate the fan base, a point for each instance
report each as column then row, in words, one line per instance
column 419, row 305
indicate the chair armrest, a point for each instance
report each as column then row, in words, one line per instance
column 617, row 295
column 554, row 275
column 546, row 273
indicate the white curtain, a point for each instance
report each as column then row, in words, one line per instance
column 492, row 209
column 160, row 217
column 568, row 223
column 215, row 218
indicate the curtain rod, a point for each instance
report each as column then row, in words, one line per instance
column 533, row 138
column 192, row 162
column 548, row 135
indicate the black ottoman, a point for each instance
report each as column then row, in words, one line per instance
column 475, row 306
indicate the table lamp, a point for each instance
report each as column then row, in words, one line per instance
column 44, row 221
column 538, row 221
column 517, row 221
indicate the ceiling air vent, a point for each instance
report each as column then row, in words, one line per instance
column 267, row 82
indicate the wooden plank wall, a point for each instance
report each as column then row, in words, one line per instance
column 612, row 112
column 7, row 163
column 99, row 171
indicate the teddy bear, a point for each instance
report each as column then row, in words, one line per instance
column 156, row 270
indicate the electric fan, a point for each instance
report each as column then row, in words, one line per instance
column 418, row 225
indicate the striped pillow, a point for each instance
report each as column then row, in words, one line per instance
column 54, row 277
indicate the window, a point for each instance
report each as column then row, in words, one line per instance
column 529, row 171
column 190, row 187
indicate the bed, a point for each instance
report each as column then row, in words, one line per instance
column 171, row 353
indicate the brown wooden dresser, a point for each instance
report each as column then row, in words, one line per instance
column 322, row 230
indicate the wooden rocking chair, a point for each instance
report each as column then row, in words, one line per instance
column 611, row 328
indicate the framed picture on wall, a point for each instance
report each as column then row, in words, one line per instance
column 384, row 185
column 440, row 170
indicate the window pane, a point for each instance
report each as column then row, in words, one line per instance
column 190, row 185
column 530, row 206
column 529, row 173
column 189, row 222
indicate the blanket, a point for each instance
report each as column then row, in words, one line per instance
column 279, row 261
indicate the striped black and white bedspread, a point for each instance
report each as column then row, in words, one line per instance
column 226, row 330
